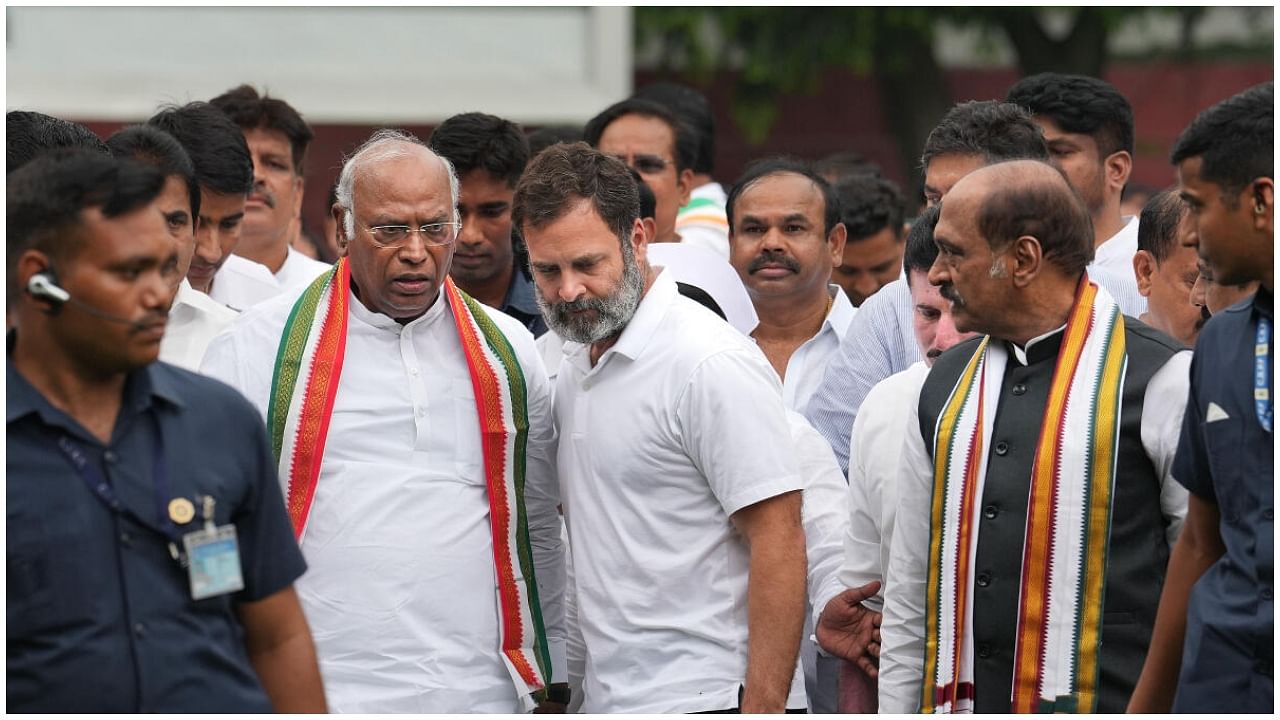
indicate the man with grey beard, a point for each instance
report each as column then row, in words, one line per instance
column 684, row 517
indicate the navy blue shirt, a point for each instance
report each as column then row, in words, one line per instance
column 100, row 616
column 1225, row 457
column 521, row 305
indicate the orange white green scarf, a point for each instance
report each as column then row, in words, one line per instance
column 1064, row 558
column 304, row 387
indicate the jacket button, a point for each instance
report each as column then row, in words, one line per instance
column 1002, row 448
column 1019, row 389
column 984, row 579
column 984, row 650
column 990, row 512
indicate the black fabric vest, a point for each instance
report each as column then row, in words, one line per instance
column 1138, row 552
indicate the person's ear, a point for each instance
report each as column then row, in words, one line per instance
column 1144, row 268
column 1027, row 258
column 836, row 240
column 338, row 213
column 1262, row 191
column 684, row 185
column 1118, row 167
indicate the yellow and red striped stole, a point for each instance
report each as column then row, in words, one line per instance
column 1064, row 557
column 304, row 389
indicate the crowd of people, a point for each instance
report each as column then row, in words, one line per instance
column 559, row 423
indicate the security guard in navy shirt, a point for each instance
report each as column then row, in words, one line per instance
column 1212, row 647
column 149, row 561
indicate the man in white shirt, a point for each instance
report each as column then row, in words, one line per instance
column 224, row 172
column 277, row 137
column 1088, row 126
column 413, row 430
column 194, row 318
column 849, row 629
column 677, row 472
column 785, row 237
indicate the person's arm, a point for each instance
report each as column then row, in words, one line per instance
column 849, row 630
column 1199, row 546
column 279, row 645
column 775, row 599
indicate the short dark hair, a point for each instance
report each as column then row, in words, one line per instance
column 545, row 137
column 249, row 110
column 215, row 145
column 693, row 109
column 1049, row 210
column 152, row 146
column 996, row 131
column 648, row 201
column 1158, row 224
column 686, row 143
column 45, row 199
column 921, row 251
column 869, row 204
column 29, row 134
column 1079, row 104
column 775, row 166
column 479, row 140
column 565, row 174
column 845, row 163
column 1235, row 141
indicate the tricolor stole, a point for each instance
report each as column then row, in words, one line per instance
column 304, row 387
column 1064, row 560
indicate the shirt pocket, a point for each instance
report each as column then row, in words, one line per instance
column 1224, row 444
column 54, row 575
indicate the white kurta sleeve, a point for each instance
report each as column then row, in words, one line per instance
column 1162, row 407
column 902, row 632
column 822, row 511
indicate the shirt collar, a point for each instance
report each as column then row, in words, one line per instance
column 842, row 311
column 1262, row 302
column 653, row 307
column 1039, row 348
column 384, row 322
column 520, row 295
column 140, row 387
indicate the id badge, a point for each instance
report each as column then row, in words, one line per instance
column 213, row 556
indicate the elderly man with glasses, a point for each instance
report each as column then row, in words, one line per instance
column 412, row 429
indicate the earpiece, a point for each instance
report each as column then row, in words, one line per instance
column 44, row 285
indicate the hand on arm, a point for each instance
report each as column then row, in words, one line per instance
column 849, row 630
column 279, row 645
column 775, row 599
column 1198, row 547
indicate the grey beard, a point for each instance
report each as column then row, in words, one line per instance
column 612, row 312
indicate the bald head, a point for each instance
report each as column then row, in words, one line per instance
column 380, row 150
column 1028, row 198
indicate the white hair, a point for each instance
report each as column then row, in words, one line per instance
column 384, row 144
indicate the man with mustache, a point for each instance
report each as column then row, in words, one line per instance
column 1165, row 265
column 149, row 560
column 277, row 137
column 412, row 427
column 489, row 154
column 1213, row 646
column 785, row 236
column 1036, row 504
column 1212, row 297
column 679, row 483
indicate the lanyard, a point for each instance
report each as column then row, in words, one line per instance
column 1262, row 373
column 101, row 488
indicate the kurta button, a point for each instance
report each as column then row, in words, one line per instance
column 990, row 512
column 1002, row 448
column 1019, row 389
column 984, row 650
column 984, row 579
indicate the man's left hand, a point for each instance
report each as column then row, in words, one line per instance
column 849, row 630
column 560, row 691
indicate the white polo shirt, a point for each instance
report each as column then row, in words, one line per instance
column 679, row 425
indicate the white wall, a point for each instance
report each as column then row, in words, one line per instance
column 399, row 65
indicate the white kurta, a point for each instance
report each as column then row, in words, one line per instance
column 241, row 283
column 400, row 590
column 299, row 270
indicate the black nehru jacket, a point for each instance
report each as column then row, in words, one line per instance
column 1138, row 554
